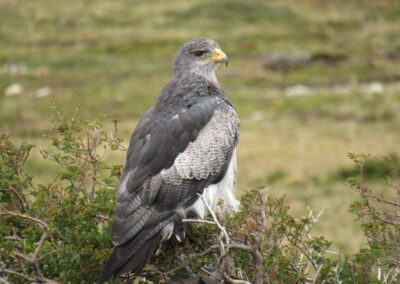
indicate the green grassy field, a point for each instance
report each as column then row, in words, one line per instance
column 311, row 80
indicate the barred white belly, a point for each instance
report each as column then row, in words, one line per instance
column 224, row 190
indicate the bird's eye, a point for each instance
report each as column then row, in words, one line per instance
column 199, row 52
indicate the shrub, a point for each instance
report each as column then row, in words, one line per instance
column 58, row 232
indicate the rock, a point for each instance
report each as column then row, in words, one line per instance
column 372, row 88
column 298, row 90
column 15, row 68
column 43, row 92
column 14, row 89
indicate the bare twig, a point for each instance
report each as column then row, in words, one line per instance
column 46, row 254
column 234, row 281
column 304, row 253
column 13, row 238
column 22, row 256
column 33, row 260
column 372, row 210
column 317, row 273
column 336, row 270
column 9, row 271
column 377, row 198
column 382, row 199
column 3, row 281
column 215, row 219
column 362, row 190
column 198, row 221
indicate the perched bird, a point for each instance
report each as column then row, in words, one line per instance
column 185, row 145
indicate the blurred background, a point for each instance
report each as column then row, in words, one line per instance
column 311, row 80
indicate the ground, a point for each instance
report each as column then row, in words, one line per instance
column 311, row 81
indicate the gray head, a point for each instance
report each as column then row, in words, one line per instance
column 200, row 56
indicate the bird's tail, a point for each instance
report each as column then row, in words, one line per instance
column 131, row 256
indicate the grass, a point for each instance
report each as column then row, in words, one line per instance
column 114, row 57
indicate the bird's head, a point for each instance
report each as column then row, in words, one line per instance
column 200, row 56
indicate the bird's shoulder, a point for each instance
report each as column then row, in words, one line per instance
column 184, row 91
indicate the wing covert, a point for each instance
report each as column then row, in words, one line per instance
column 210, row 153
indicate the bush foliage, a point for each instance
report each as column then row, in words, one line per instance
column 58, row 232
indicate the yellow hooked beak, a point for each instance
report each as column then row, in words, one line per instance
column 219, row 56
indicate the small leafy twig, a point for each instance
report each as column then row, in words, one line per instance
column 199, row 221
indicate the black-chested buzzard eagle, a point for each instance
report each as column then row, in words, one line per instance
column 183, row 146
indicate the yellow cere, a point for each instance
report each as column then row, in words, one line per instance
column 218, row 55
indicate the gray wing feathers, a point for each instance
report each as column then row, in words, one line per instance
column 132, row 215
column 208, row 155
column 210, row 152
column 131, row 224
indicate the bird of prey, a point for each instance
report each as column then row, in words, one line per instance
column 185, row 145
